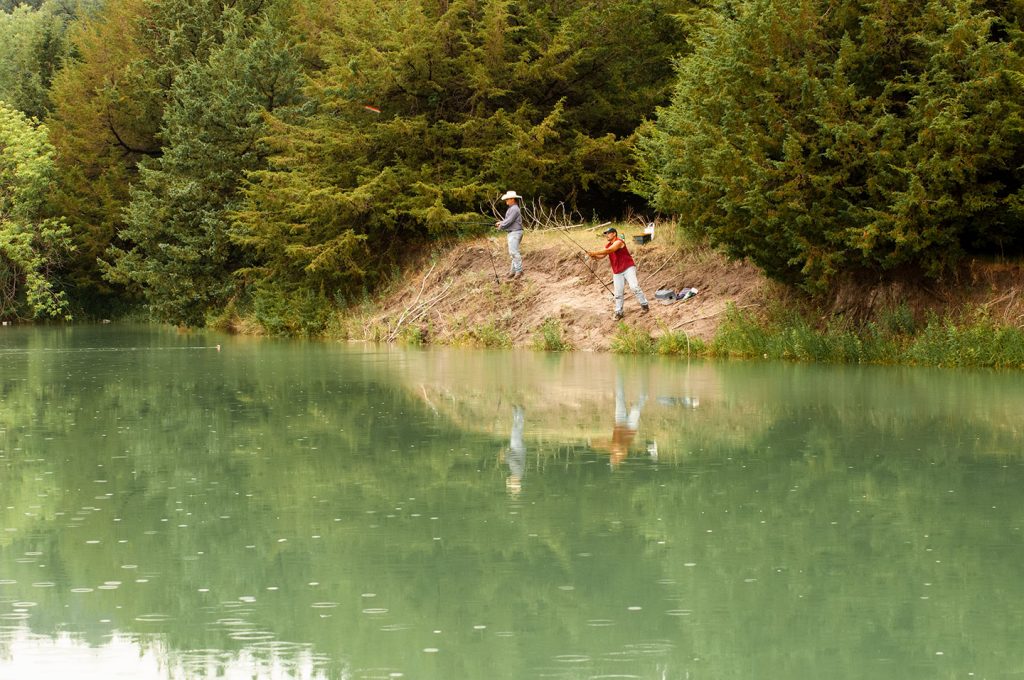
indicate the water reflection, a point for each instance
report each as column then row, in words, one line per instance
column 627, row 422
column 125, row 657
column 341, row 512
column 515, row 454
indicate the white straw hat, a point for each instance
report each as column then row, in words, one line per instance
column 510, row 194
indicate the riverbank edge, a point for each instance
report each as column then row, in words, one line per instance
column 456, row 295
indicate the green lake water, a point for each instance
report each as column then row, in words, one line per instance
column 276, row 509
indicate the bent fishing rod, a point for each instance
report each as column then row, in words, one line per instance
column 585, row 265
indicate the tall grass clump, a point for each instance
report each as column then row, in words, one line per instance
column 677, row 343
column 631, row 340
column 893, row 337
column 897, row 321
column 488, row 335
column 413, row 336
column 740, row 335
column 980, row 343
column 788, row 335
column 550, row 337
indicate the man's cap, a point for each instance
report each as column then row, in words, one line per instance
column 510, row 194
column 610, row 230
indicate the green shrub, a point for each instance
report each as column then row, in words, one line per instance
column 488, row 335
column 301, row 312
column 414, row 336
column 632, row 340
column 550, row 337
column 677, row 343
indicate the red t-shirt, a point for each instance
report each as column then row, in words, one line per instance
column 620, row 259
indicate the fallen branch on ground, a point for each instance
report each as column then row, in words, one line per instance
column 411, row 316
column 401, row 318
column 709, row 316
column 647, row 278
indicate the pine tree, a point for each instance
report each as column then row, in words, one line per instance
column 178, row 250
column 106, row 118
column 820, row 137
column 32, row 48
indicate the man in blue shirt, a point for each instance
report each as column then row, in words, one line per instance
column 513, row 224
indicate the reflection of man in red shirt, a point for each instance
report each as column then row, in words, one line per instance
column 623, row 270
column 627, row 422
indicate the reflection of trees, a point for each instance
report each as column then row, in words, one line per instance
column 268, row 442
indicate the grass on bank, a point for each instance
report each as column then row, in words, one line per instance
column 892, row 338
column 550, row 337
column 631, row 340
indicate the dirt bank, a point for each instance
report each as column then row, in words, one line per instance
column 460, row 296
column 454, row 298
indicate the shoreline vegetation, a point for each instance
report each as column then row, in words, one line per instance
column 450, row 298
column 939, row 342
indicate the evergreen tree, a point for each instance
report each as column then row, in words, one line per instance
column 421, row 111
column 32, row 47
column 120, row 102
column 107, row 110
column 178, row 249
column 822, row 137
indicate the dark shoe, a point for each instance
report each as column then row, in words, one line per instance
column 618, row 316
column 518, row 275
column 510, row 275
column 644, row 309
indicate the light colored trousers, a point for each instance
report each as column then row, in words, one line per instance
column 514, row 239
column 516, row 457
column 619, row 283
column 630, row 418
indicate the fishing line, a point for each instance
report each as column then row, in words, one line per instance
column 585, row 265
column 493, row 267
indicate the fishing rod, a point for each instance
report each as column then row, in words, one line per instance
column 493, row 268
column 491, row 223
column 599, row 279
column 564, row 232
column 585, row 265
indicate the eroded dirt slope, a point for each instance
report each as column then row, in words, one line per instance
column 456, row 296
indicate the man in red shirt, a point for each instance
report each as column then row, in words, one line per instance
column 623, row 270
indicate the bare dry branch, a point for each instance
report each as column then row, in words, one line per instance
column 540, row 217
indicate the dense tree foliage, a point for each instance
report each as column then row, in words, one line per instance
column 177, row 222
column 32, row 47
column 108, row 107
column 381, row 121
column 819, row 137
column 32, row 240
column 421, row 111
column 282, row 156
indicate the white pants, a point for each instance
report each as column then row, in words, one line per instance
column 630, row 418
column 619, row 283
column 514, row 238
